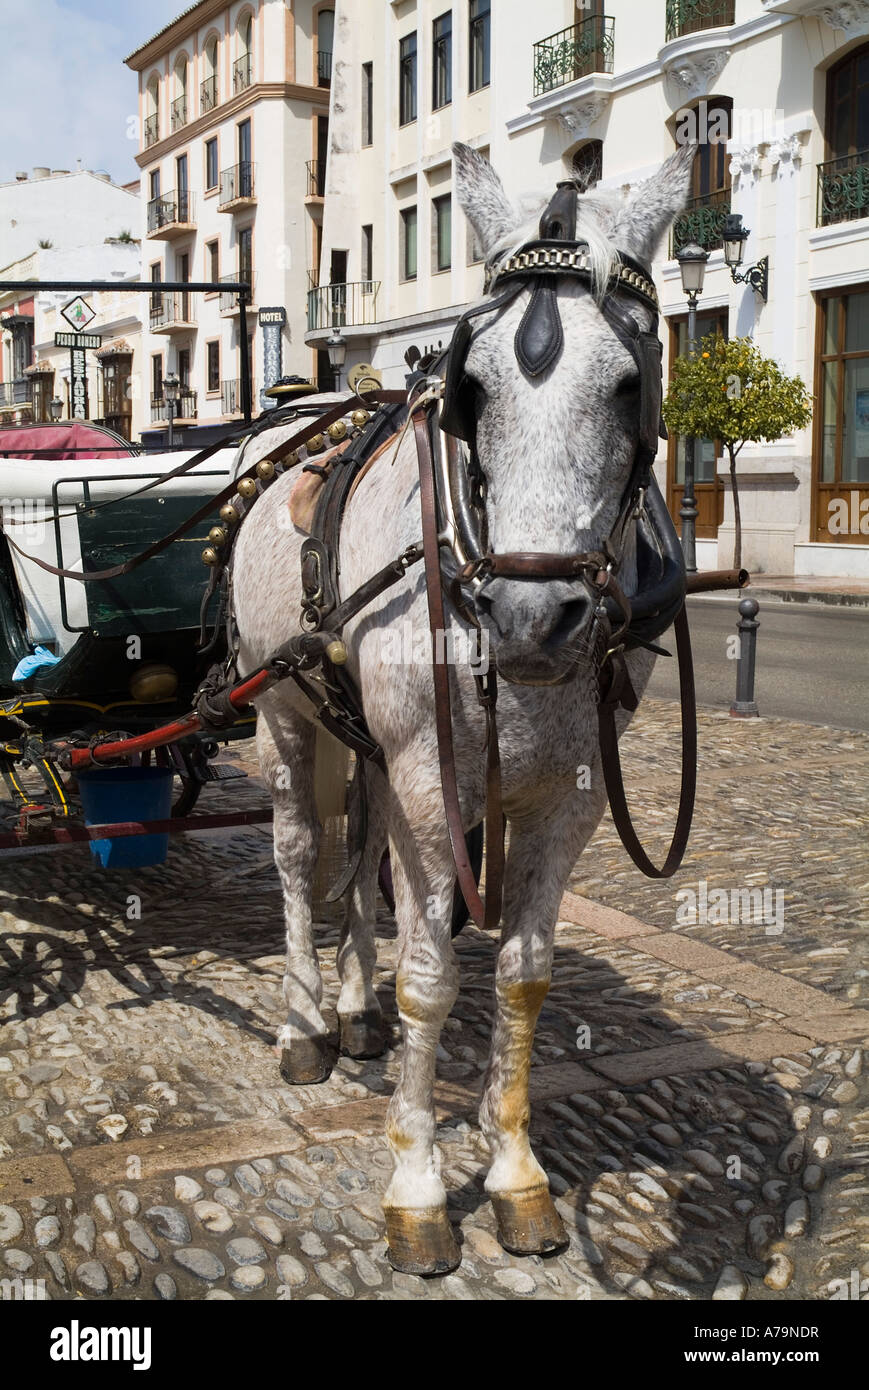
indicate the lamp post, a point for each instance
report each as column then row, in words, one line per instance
column 692, row 267
column 55, row 408
column 735, row 236
column 337, row 349
column 172, row 393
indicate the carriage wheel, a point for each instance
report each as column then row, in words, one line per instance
column 460, row 915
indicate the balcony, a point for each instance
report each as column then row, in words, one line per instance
column 171, row 312
column 242, row 73
column 207, row 95
column 692, row 16
column 178, row 113
column 572, row 53
column 313, row 279
column 16, row 392
column 237, row 187
column 342, row 306
column 185, row 407
column 702, row 222
column 171, row 216
column 316, row 178
column 152, row 130
column 324, row 67
column 843, row 189
column 229, row 298
column 230, row 397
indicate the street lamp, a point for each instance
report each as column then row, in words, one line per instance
column 735, row 237
column 172, row 393
column 692, row 267
column 55, row 408
column 337, row 349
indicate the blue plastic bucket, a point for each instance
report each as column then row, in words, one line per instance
column 127, row 794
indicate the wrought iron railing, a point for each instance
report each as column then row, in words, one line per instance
column 324, row 67
column 185, row 407
column 230, row 397
column 690, row 16
column 237, row 182
column 170, row 308
column 242, row 72
column 701, row 222
column 342, row 305
column 16, row 392
column 316, row 178
column 170, row 209
column 229, row 298
column 208, row 95
column 843, row 189
column 571, row 53
column 178, row 112
column 152, row 130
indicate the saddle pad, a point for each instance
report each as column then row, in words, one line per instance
column 305, row 492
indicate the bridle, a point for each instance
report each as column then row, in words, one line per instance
column 452, row 497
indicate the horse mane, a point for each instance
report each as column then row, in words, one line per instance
column 595, row 218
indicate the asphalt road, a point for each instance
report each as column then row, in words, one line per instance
column 812, row 660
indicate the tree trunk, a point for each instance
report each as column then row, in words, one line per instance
column 737, row 518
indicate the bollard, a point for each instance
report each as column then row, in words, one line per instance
column 744, row 706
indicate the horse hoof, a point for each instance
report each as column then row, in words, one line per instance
column 528, row 1223
column 362, row 1034
column 306, row 1062
column 420, row 1241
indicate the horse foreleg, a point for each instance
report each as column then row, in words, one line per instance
column 418, row 1230
column 359, row 1011
column 539, row 862
column 285, row 745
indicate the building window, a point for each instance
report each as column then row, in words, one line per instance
column 407, row 80
column 212, row 261
column 325, row 43
column 156, row 276
column 587, row 165
column 156, row 378
column 442, row 220
column 408, row 243
column 212, row 366
column 245, row 257
column 211, row 170
column 710, row 123
column 843, row 181
column 842, row 418
column 442, row 61
column 480, row 45
column 368, row 253
column 154, row 184
column 367, row 103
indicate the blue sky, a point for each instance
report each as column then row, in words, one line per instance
column 65, row 93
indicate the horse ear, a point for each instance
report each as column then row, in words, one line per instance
column 481, row 197
column 652, row 205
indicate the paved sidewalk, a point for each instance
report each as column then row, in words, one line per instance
column 700, row 1101
column 811, row 589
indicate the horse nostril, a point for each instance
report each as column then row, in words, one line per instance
column 572, row 616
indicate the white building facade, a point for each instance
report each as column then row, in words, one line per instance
column 234, row 105
column 778, row 91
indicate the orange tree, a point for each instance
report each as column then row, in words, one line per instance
column 729, row 391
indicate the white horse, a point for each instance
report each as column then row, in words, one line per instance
column 556, row 452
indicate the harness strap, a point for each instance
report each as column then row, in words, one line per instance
column 486, row 914
column 621, row 692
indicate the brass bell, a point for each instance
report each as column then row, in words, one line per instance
column 337, row 430
column 210, row 556
column 291, row 459
column 228, row 515
column 316, row 444
column 265, row 469
column 337, row 652
column 217, row 535
column 247, row 488
column 360, row 418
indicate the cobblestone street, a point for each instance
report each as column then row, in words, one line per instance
column 699, row 1096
